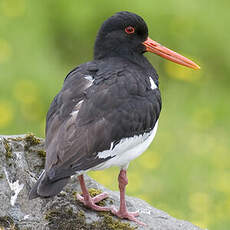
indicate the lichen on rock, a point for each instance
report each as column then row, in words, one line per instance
column 8, row 149
column 66, row 219
column 7, row 222
column 31, row 140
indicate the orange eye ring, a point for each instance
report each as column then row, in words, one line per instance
column 129, row 30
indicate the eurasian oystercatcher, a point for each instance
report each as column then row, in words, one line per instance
column 107, row 111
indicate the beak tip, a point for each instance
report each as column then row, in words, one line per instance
column 197, row 67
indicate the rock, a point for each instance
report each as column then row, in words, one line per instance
column 22, row 160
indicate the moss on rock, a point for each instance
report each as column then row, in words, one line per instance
column 64, row 218
column 7, row 223
column 31, row 140
column 41, row 153
column 110, row 223
column 8, row 149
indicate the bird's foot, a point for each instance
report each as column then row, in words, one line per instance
column 91, row 201
column 124, row 214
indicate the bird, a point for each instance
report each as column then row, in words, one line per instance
column 106, row 113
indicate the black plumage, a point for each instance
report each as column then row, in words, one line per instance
column 116, row 102
column 120, row 103
column 103, row 104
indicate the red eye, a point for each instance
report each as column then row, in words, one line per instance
column 129, row 30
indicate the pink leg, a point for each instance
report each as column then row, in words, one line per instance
column 123, row 212
column 89, row 201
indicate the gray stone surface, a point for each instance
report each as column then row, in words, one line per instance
column 21, row 161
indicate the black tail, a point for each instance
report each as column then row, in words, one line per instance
column 45, row 188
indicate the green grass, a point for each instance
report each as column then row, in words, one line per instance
column 186, row 170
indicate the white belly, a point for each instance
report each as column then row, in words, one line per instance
column 127, row 150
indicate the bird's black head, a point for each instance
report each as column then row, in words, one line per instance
column 121, row 35
column 126, row 34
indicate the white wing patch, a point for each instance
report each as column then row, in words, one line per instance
column 78, row 105
column 89, row 78
column 76, row 109
column 74, row 113
column 153, row 85
column 127, row 150
column 111, row 146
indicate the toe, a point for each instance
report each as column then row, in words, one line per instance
column 138, row 222
column 135, row 214
column 80, row 198
column 99, row 208
column 91, row 202
column 128, row 215
column 100, row 197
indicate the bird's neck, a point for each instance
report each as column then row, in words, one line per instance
column 134, row 57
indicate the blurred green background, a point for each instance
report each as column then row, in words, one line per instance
column 186, row 171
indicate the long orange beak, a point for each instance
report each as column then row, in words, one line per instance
column 166, row 53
